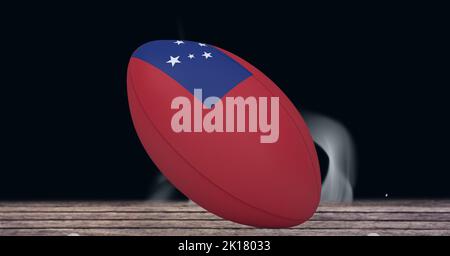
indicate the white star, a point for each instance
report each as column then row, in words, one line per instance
column 178, row 42
column 202, row 45
column 191, row 56
column 173, row 60
column 207, row 55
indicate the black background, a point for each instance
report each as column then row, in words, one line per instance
column 66, row 131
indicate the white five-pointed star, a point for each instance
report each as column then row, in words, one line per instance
column 173, row 60
column 202, row 45
column 207, row 55
column 191, row 56
column 178, row 42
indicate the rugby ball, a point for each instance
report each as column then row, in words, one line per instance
column 223, row 133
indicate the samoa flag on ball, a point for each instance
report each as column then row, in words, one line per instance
column 194, row 65
column 233, row 174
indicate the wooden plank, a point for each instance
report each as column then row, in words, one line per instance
column 220, row 232
column 336, row 216
column 372, row 203
column 185, row 218
column 196, row 224
column 172, row 208
column 107, row 216
column 97, row 204
column 371, row 209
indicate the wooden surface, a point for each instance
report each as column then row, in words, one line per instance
column 153, row 218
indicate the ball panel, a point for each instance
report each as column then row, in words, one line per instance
column 198, row 188
column 278, row 173
column 287, row 106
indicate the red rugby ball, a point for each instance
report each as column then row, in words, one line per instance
column 231, row 174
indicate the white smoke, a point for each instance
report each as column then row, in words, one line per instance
column 338, row 144
column 163, row 190
column 332, row 137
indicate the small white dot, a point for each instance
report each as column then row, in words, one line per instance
column 386, row 195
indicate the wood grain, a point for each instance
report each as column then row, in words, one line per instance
column 420, row 217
